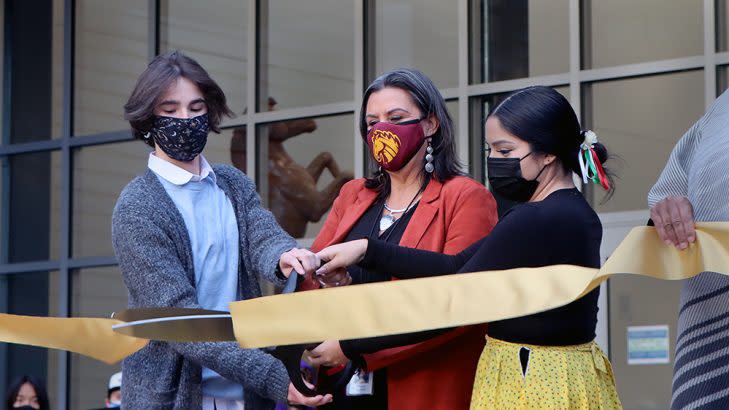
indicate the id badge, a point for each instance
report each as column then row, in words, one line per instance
column 360, row 384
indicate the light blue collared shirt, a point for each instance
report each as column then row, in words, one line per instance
column 213, row 229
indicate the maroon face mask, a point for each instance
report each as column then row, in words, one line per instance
column 393, row 145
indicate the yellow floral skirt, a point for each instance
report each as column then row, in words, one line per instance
column 516, row 376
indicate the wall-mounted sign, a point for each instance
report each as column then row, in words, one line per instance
column 648, row 344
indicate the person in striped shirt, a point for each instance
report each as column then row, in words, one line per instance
column 694, row 187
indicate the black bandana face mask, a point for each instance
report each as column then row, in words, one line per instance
column 182, row 139
column 506, row 179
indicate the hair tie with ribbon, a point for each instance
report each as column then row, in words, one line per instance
column 590, row 163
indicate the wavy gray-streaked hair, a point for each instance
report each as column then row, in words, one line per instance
column 430, row 102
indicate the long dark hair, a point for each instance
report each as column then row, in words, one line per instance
column 160, row 74
column 38, row 386
column 545, row 119
column 430, row 102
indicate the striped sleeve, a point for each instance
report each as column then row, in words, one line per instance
column 673, row 181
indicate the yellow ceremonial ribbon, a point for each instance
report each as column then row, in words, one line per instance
column 422, row 304
column 396, row 307
column 92, row 337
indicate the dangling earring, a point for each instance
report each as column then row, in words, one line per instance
column 146, row 136
column 380, row 175
column 429, row 159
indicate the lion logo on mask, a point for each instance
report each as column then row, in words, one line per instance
column 385, row 146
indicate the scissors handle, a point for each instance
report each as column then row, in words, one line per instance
column 290, row 356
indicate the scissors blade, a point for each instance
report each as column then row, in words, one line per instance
column 187, row 328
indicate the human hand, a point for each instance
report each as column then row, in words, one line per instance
column 296, row 398
column 328, row 353
column 300, row 260
column 341, row 255
column 335, row 278
column 674, row 220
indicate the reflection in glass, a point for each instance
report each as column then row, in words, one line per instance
column 34, row 64
column 2, row 63
column 96, row 292
column 306, row 55
column 452, row 107
column 722, row 31
column 223, row 148
column 625, row 31
column 518, row 38
column 32, row 294
column 111, row 51
column 33, row 191
column 99, row 174
column 722, row 79
column 213, row 33
column 634, row 299
column 639, row 120
column 4, row 217
column 416, row 33
column 306, row 162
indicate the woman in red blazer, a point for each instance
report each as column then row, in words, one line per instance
column 418, row 198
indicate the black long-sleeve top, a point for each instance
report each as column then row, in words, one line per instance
column 368, row 227
column 561, row 229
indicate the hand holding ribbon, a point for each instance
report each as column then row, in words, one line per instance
column 674, row 221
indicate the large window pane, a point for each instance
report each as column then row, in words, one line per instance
column 4, row 209
column 34, row 206
column 640, row 120
column 306, row 52
column 636, row 300
column 111, row 52
column 624, row 31
column 417, row 33
column 452, row 107
column 32, row 294
column 99, row 174
column 722, row 79
column 35, row 66
column 96, row 292
column 214, row 34
column 228, row 147
column 519, row 38
column 722, row 30
column 306, row 162
column 57, row 70
column 2, row 83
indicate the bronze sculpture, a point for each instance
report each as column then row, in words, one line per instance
column 293, row 197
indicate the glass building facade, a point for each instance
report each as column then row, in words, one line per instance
column 637, row 73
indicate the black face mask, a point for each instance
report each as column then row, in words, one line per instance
column 181, row 138
column 26, row 407
column 506, row 180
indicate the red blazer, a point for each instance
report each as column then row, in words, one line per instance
column 438, row 373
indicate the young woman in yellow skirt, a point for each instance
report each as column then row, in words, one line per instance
column 547, row 360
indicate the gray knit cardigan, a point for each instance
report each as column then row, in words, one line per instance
column 155, row 257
